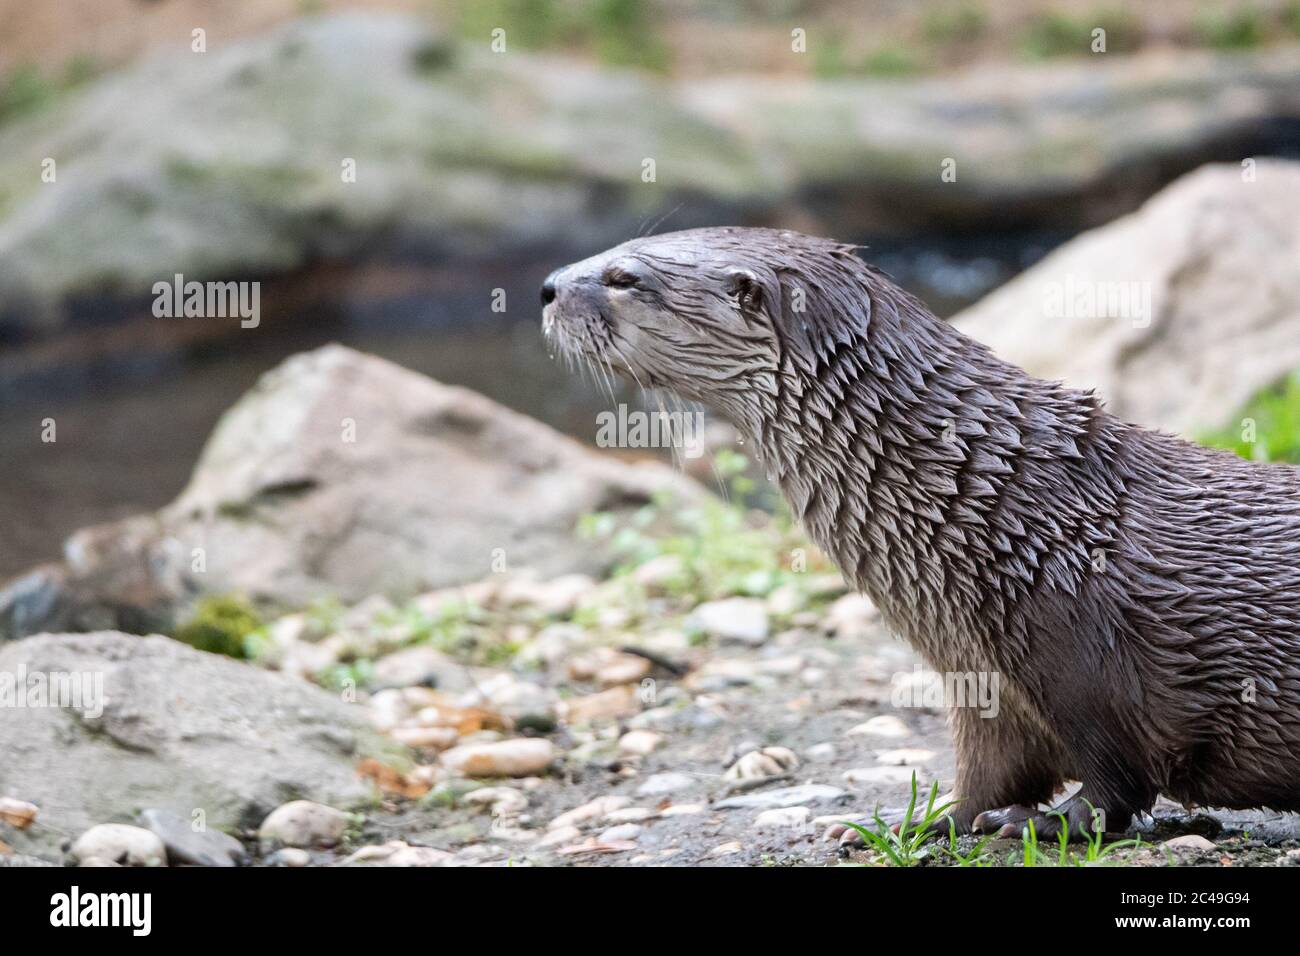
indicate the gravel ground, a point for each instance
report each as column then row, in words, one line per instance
column 737, row 748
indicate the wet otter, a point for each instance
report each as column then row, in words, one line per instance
column 1137, row 595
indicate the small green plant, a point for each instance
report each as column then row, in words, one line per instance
column 902, row 847
column 1268, row 428
column 347, row 676
column 1094, row 849
column 721, row 547
column 221, row 625
column 977, row 856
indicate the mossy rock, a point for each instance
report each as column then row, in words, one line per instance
column 219, row 625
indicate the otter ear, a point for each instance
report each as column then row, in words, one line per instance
column 743, row 286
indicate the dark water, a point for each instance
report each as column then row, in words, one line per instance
column 133, row 402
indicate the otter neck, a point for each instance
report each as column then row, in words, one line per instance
column 918, row 462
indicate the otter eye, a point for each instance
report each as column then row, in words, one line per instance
column 618, row 279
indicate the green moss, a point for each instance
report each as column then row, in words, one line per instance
column 954, row 24
column 1268, row 428
column 890, row 61
column 1058, row 34
column 829, row 58
column 617, row 32
column 530, row 24
column 81, row 69
column 433, row 57
column 623, row 34
column 1235, row 30
column 221, row 625
column 24, row 91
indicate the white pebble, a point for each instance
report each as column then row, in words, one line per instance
column 783, row 817
column 119, row 843
column 885, row 725
column 302, row 823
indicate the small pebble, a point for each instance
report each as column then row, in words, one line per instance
column 289, row 857
column 861, row 775
column 783, row 817
column 303, row 823
column 906, row 756
column 622, row 833
column 662, row 783
column 119, row 844
column 639, row 743
column 520, row 757
column 1191, row 841
column 768, row 762
column 500, row 801
column 564, row 834
column 591, row 810
column 885, row 725
column 737, row 619
column 630, row 815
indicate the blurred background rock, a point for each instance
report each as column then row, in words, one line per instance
column 480, row 171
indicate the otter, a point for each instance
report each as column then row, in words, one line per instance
column 1137, row 595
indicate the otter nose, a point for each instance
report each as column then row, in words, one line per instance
column 548, row 289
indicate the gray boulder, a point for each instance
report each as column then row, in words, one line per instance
column 180, row 731
column 1177, row 313
column 342, row 475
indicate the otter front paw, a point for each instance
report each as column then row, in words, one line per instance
column 1076, row 814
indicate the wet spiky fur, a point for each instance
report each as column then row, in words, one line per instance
column 1138, row 595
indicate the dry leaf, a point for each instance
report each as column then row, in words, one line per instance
column 393, row 781
column 17, row 813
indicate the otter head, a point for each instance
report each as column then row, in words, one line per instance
column 716, row 315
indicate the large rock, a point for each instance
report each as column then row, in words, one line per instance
column 228, row 163
column 342, row 475
column 1212, row 267
column 180, row 730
